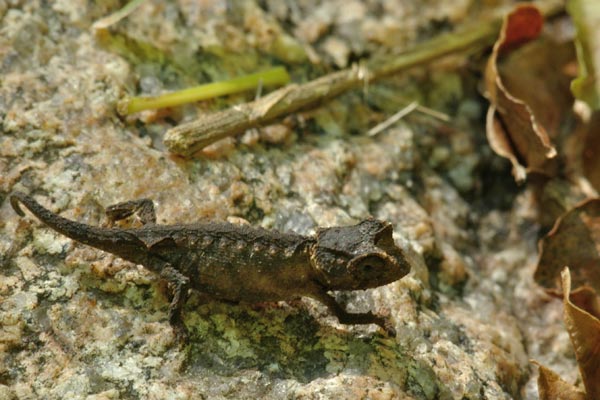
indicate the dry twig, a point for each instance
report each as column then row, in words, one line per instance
column 186, row 139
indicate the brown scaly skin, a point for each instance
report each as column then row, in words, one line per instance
column 244, row 263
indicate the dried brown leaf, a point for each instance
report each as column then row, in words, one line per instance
column 500, row 142
column 584, row 330
column 537, row 74
column 574, row 241
column 528, row 94
column 552, row 387
column 583, row 297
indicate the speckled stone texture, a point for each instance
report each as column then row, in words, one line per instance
column 76, row 323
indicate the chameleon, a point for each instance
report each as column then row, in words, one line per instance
column 242, row 263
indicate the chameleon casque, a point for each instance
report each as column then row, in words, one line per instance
column 242, row 263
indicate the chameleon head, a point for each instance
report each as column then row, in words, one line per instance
column 355, row 257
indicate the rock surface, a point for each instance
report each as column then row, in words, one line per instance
column 80, row 324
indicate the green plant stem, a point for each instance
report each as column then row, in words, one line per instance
column 271, row 77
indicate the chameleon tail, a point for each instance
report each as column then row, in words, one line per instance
column 102, row 238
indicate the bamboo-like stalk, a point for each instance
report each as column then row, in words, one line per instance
column 187, row 139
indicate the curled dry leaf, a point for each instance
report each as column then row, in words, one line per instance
column 584, row 330
column 575, row 241
column 552, row 387
column 583, row 297
column 528, row 93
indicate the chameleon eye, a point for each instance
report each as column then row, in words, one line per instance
column 367, row 264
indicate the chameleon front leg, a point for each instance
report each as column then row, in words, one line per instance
column 179, row 285
column 353, row 318
column 144, row 208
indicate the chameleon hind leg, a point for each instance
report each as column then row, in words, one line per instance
column 178, row 283
column 143, row 208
